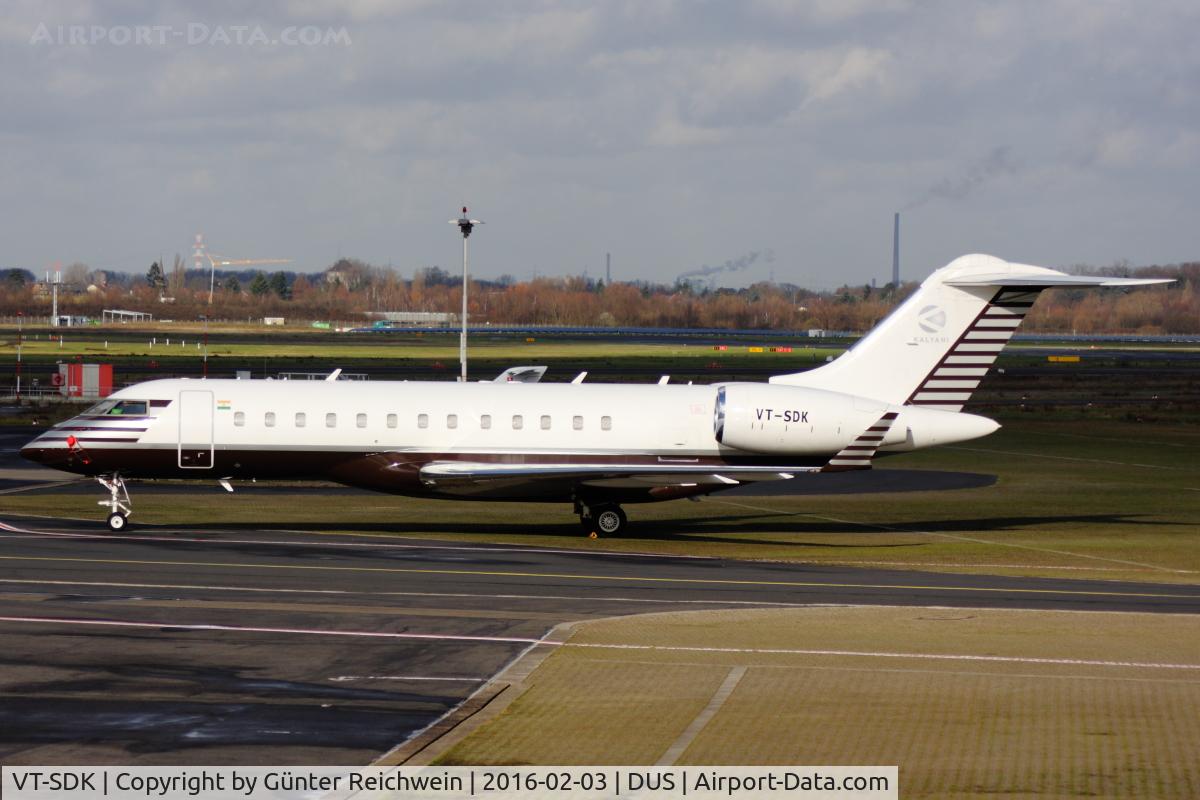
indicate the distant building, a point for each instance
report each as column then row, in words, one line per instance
column 428, row 319
column 122, row 315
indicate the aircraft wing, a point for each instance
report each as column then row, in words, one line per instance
column 520, row 375
column 469, row 477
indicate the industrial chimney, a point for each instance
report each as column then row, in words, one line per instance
column 896, row 250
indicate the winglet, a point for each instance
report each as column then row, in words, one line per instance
column 858, row 454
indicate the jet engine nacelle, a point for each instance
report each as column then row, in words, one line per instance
column 765, row 418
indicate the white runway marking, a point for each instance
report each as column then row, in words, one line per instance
column 32, row 486
column 1114, row 439
column 348, row 678
column 1154, row 567
column 690, row 733
column 349, row 593
column 980, row 566
column 601, row 646
column 882, row 654
column 1065, row 458
column 1072, row 676
column 254, row 629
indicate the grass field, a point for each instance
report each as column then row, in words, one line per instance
column 408, row 357
column 1111, row 500
column 189, row 344
column 333, row 346
column 969, row 703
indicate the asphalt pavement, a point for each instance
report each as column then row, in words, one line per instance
column 186, row 646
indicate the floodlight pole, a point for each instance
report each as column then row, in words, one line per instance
column 462, row 336
column 465, row 225
column 205, row 318
column 20, row 336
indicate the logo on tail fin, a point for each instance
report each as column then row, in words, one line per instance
column 956, row 376
column 931, row 319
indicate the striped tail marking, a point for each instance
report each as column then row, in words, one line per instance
column 858, row 454
column 950, row 384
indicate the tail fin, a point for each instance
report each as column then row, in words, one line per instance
column 939, row 343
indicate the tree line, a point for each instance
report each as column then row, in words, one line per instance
column 349, row 289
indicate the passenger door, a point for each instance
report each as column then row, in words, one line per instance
column 195, row 429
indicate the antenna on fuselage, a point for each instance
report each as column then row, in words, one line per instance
column 465, row 225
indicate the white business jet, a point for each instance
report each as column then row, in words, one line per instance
column 597, row 446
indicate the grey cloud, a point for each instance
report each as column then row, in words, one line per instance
column 677, row 130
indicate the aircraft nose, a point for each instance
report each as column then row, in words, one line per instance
column 34, row 451
column 45, row 452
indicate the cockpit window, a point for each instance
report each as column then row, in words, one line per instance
column 103, row 407
column 125, row 408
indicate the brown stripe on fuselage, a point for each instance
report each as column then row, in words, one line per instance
column 394, row 472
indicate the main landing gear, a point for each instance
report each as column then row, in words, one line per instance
column 605, row 519
column 119, row 504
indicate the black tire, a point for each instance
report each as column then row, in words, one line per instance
column 609, row 520
column 117, row 521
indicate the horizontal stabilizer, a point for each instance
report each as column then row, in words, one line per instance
column 936, row 346
column 1009, row 279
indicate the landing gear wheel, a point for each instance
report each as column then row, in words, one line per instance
column 119, row 505
column 602, row 519
column 610, row 520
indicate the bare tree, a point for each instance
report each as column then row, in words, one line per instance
column 76, row 275
column 177, row 275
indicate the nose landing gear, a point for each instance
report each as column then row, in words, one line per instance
column 119, row 504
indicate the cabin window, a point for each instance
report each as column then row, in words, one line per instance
column 518, row 422
column 360, row 420
column 391, row 420
column 301, row 419
column 577, row 423
column 331, row 420
column 485, row 421
column 269, row 419
column 239, row 418
column 422, row 420
column 606, row 423
column 545, row 422
column 452, row 421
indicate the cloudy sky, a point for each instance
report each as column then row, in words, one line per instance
column 673, row 135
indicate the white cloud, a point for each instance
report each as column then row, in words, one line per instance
column 858, row 68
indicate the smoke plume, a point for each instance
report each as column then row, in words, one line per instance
column 732, row 265
column 995, row 163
